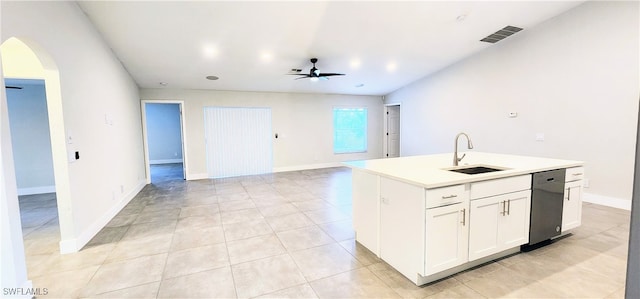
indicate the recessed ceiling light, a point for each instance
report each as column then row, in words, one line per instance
column 355, row 63
column 359, row 85
column 212, row 78
column 392, row 66
column 210, row 51
column 163, row 83
column 266, row 56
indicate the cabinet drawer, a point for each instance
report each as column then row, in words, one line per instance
column 500, row 186
column 574, row 174
column 445, row 196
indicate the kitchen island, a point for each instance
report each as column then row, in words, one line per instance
column 429, row 221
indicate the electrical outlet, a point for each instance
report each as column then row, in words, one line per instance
column 121, row 189
column 585, row 183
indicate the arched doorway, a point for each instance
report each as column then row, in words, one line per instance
column 25, row 59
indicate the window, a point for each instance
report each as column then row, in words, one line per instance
column 349, row 130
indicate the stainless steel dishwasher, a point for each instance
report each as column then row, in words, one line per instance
column 547, row 197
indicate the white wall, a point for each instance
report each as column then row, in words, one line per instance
column 13, row 272
column 30, row 136
column 101, row 111
column 164, row 133
column 304, row 123
column 573, row 78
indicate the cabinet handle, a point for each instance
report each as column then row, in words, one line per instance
column 568, row 194
column 503, row 205
column 464, row 216
column 577, row 174
column 509, row 207
column 449, row 196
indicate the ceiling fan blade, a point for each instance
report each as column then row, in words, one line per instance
column 329, row 74
column 13, row 87
column 314, row 73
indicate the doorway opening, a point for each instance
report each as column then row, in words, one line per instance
column 391, row 138
column 164, row 141
column 33, row 164
column 40, row 223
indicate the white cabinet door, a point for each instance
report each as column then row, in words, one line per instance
column 513, row 227
column 402, row 226
column 483, row 229
column 366, row 209
column 572, row 206
column 498, row 223
column 447, row 237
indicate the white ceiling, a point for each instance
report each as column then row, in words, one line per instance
column 251, row 46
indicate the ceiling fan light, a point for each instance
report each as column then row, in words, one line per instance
column 314, row 79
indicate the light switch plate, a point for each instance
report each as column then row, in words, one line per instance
column 539, row 136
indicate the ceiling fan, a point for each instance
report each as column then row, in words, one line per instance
column 315, row 74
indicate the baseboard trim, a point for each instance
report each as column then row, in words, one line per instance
column 36, row 190
column 197, row 176
column 608, row 201
column 202, row 176
column 307, row 167
column 165, row 161
column 74, row 245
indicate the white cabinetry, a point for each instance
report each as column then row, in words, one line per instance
column 429, row 223
column 572, row 206
column 366, row 209
column 500, row 221
column 423, row 232
column 447, row 237
column 402, row 226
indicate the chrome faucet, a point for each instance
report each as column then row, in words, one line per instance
column 455, row 154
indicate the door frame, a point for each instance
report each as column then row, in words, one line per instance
column 183, row 137
column 385, row 141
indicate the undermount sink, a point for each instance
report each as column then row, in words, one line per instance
column 475, row 169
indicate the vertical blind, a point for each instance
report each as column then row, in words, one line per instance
column 238, row 141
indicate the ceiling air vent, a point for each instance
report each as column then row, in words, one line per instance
column 501, row 34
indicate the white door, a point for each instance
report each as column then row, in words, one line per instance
column 238, row 141
column 393, row 131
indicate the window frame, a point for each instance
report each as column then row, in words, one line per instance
column 365, row 129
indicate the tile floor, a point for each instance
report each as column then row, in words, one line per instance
column 288, row 235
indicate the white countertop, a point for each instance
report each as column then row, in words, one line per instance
column 430, row 171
